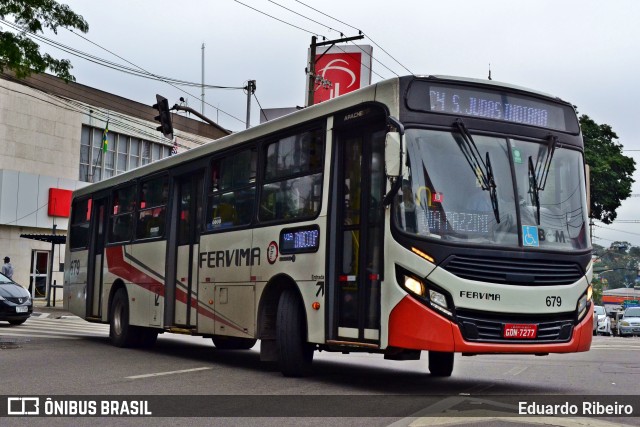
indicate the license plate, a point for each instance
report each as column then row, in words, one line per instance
column 518, row 331
column 22, row 309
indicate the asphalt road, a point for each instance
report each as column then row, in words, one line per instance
column 66, row 356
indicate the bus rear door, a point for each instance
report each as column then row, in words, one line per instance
column 183, row 275
column 96, row 257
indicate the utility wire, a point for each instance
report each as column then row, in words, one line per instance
column 614, row 229
column 341, row 34
column 306, row 17
column 116, row 118
column 357, row 29
column 316, row 34
column 261, row 110
column 118, row 67
column 161, row 78
column 277, row 19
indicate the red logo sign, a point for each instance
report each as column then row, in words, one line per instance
column 342, row 70
column 272, row 252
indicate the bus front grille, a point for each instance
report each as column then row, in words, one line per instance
column 482, row 327
column 510, row 271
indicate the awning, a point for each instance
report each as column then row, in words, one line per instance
column 57, row 239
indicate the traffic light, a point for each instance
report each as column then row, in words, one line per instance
column 164, row 116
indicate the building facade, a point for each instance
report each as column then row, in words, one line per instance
column 52, row 141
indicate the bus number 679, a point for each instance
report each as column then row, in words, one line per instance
column 554, row 301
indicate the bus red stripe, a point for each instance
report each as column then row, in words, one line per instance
column 119, row 267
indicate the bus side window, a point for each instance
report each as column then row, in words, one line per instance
column 152, row 208
column 121, row 221
column 293, row 177
column 232, row 196
column 79, row 230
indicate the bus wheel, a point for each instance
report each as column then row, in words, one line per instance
column 295, row 353
column 122, row 334
column 233, row 343
column 440, row 363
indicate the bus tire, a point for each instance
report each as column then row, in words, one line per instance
column 122, row 334
column 440, row 363
column 295, row 354
column 233, row 343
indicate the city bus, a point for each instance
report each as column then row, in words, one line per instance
column 421, row 213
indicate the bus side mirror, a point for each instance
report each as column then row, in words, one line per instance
column 393, row 155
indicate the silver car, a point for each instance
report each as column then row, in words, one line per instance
column 630, row 322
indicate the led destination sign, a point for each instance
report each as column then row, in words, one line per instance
column 300, row 240
column 489, row 104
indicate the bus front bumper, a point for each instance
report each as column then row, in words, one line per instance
column 414, row 326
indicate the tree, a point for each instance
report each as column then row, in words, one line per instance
column 18, row 52
column 611, row 171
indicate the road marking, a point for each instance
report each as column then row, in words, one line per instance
column 614, row 346
column 515, row 371
column 36, row 335
column 158, row 374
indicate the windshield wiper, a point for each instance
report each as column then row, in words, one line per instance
column 534, row 189
column 481, row 169
column 539, row 173
column 542, row 168
column 493, row 194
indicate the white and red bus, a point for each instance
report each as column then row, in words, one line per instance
column 419, row 213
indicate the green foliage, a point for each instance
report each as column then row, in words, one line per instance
column 615, row 268
column 597, row 286
column 21, row 54
column 611, row 171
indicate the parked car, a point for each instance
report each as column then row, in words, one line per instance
column 15, row 302
column 630, row 322
column 602, row 322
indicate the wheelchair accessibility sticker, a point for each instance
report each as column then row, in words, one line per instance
column 530, row 235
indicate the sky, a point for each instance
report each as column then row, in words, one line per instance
column 586, row 52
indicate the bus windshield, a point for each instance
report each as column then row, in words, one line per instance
column 445, row 194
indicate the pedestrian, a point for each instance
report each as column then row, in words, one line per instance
column 7, row 268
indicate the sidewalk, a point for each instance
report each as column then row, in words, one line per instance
column 40, row 309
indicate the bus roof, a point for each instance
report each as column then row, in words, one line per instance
column 386, row 91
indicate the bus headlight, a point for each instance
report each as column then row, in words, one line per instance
column 426, row 292
column 582, row 306
column 589, row 293
column 439, row 302
column 414, row 285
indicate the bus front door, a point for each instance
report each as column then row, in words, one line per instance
column 359, row 215
column 188, row 192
